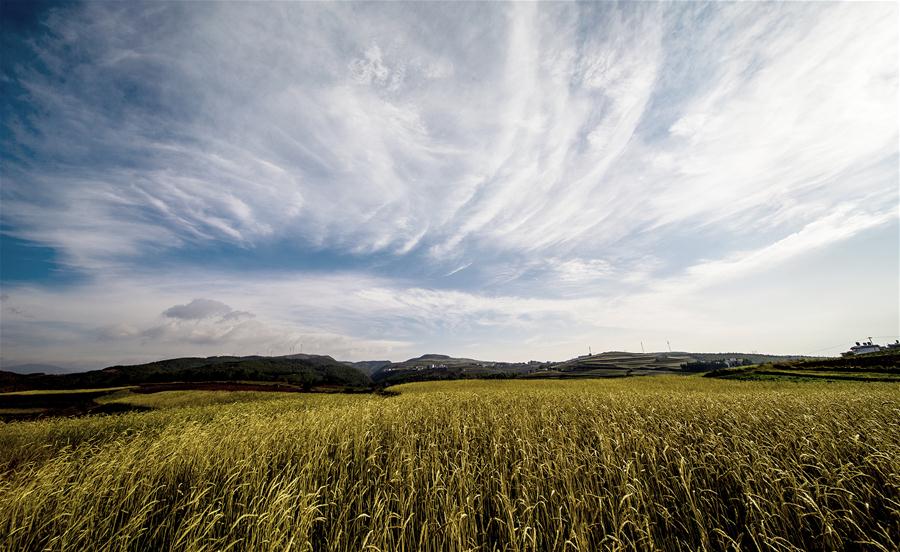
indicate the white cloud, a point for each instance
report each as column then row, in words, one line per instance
column 198, row 309
column 370, row 68
column 458, row 269
column 580, row 270
column 835, row 227
column 800, row 102
column 579, row 166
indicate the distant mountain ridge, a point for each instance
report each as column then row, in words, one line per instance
column 307, row 371
column 37, row 369
column 303, row 371
column 606, row 364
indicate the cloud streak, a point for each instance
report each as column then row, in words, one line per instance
column 438, row 170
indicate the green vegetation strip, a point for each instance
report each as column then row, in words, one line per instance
column 61, row 391
column 667, row 463
column 847, row 376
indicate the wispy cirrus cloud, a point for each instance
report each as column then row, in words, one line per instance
column 511, row 166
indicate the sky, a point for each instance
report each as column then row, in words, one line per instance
column 499, row 181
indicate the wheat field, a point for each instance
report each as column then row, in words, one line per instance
column 665, row 463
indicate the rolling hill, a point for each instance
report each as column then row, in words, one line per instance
column 608, row 364
column 617, row 363
column 439, row 367
column 876, row 366
column 303, row 371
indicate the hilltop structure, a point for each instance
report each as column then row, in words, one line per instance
column 870, row 347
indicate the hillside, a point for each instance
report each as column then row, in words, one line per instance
column 304, row 371
column 608, row 364
column 755, row 358
column 444, row 367
column 617, row 363
column 369, row 367
column 307, row 371
column 878, row 366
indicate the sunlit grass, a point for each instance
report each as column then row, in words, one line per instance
column 672, row 463
column 189, row 398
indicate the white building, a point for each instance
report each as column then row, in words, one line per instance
column 863, row 348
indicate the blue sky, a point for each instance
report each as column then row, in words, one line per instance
column 504, row 181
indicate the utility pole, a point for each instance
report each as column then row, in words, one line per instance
column 642, row 346
column 590, row 353
column 670, row 345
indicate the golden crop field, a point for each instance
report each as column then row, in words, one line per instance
column 664, row 463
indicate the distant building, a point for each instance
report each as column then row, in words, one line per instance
column 863, row 348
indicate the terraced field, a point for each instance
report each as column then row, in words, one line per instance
column 880, row 366
column 614, row 364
